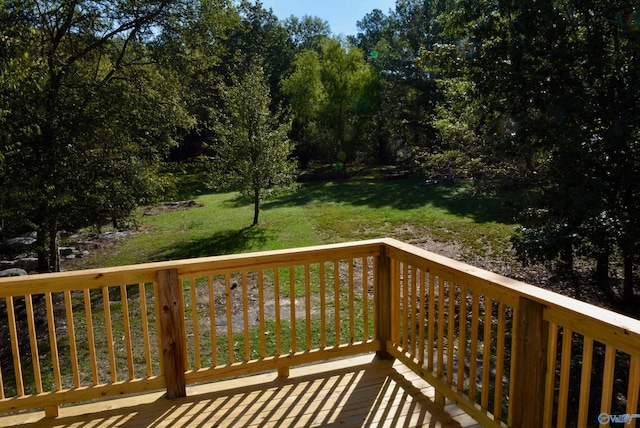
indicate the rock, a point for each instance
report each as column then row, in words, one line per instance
column 28, row 263
column 67, row 251
column 114, row 235
column 12, row 272
column 6, row 264
column 19, row 244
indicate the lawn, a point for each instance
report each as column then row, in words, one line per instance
column 320, row 213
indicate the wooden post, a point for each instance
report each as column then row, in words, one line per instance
column 383, row 297
column 527, row 403
column 172, row 332
column 283, row 372
column 51, row 411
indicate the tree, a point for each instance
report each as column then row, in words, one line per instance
column 328, row 96
column 88, row 116
column 406, row 95
column 307, row 32
column 252, row 151
column 557, row 86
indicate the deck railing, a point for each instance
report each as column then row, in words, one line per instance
column 506, row 352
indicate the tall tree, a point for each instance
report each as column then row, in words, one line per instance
column 252, row 151
column 395, row 44
column 557, row 82
column 307, row 32
column 328, row 96
column 69, row 135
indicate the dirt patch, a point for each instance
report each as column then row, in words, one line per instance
column 166, row 207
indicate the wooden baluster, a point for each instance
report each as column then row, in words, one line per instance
column 307, row 305
column 585, row 381
column 423, row 297
column 91, row 337
column 462, row 337
column 292, row 299
column 431, row 315
column 193, row 293
column 323, row 307
column 451, row 323
column 439, row 397
column 15, row 349
column 127, row 330
column 276, row 296
column 404, row 272
column 633, row 389
column 486, row 352
column 500, row 348
column 145, row 327
column 283, row 372
column 53, row 341
column 414, row 311
column 473, row 348
column 261, row 314
column 365, row 298
column 352, row 328
column 34, row 344
column 212, row 322
column 73, row 350
column 550, row 381
column 245, row 313
column 608, row 375
column 227, row 281
column 565, row 366
column 109, row 330
column 336, row 301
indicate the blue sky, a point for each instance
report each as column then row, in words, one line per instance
column 342, row 15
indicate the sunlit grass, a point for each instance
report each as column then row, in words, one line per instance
column 319, row 213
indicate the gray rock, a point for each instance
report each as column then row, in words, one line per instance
column 28, row 263
column 12, row 272
column 67, row 251
column 6, row 264
column 19, row 244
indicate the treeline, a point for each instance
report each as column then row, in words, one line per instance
column 540, row 95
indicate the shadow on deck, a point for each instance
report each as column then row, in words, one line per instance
column 353, row 392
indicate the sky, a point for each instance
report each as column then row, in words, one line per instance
column 342, row 15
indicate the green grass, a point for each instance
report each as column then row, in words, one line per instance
column 319, row 213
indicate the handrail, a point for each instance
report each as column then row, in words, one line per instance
column 520, row 353
column 508, row 353
column 112, row 331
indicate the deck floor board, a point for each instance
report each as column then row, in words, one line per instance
column 353, row 392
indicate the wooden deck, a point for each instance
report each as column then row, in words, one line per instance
column 353, row 392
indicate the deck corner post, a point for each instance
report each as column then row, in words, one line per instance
column 527, row 404
column 383, row 304
column 172, row 332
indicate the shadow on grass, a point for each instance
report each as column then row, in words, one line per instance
column 406, row 194
column 220, row 243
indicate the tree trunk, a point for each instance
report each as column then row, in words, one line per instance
column 602, row 275
column 54, row 254
column 627, row 293
column 42, row 248
column 256, row 206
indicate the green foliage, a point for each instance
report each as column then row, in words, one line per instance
column 252, row 152
column 406, row 95
column 88, row 114
column 554, row 90
column 329, row 93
